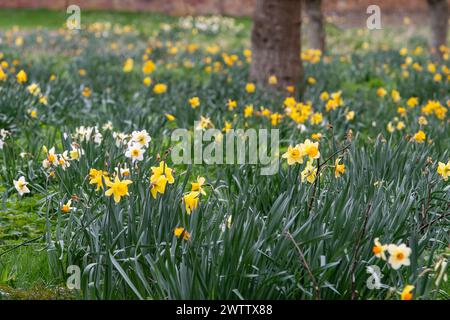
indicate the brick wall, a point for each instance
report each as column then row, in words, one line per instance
column 229, row 7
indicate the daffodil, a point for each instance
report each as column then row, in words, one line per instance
column 198, row 185
column 250, row 87
column 21, row 186
column 194, row 102
column 309, row 173
column 444, row 170
column 128, row 65
column 66, row 208
column 135, row 152
column 398, row 255
column 158, row 185
column 117, row 189
column 406, row 293
column 311, row 149
column 160, row 88
column 21, row 77
column 148, row 67
column 97, row 177
column 169, row 117
column 293, row 155
column 191, row 201
column 248, row 111
column 141, row 137
column 232, row 104
column 181, row 232
column 163, row 169
column 379, row 249
column 338, row 168
column 419, row 136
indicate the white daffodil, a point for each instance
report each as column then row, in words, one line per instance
column 141, row 137
column 135, row 152
column 398, row 255
column 21, row 186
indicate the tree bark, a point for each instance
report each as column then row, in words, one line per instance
column 316, row 32
column 276, row 42
column 439, row 24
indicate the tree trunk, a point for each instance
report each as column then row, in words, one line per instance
column 316, row 32
column 276, row 42
column 439, row 23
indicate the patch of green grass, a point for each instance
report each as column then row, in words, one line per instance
column 25, row 274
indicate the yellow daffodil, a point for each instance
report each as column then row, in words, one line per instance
column 148, row 67
column 169, row 117
column 250, row 87
column 272, row 80
column 198, row 185
column 406, row 293
column 248, row 111
column 293, row 155
column 194, row 102
column 97, row 177
column 160, row 88
column 21, row 77
column 338, row 168
column 128, row 65
column 181, row 232
column 117, row 189
column 311, row 149
column 191, row 201
column 147, row 81
column 419, row 136
column 158, row 185
column 444, row 170
column 309, row 173
column 232, row 104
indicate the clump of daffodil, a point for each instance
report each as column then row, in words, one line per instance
column 191, row 201
column 161, row 175
column 117, row 189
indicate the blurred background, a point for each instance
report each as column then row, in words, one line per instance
column 342, row 12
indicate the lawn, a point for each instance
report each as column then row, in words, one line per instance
column 88, row 176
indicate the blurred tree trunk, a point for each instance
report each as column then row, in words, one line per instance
column 439, row 23
column 276, row 42
column 316, row 32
